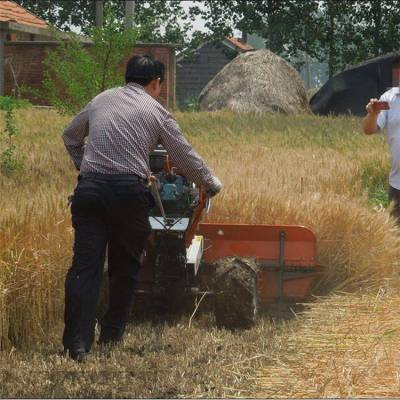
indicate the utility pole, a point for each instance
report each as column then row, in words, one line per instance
column 308, row 70
column 99, row 13
column 129, row 14
column 2, row 61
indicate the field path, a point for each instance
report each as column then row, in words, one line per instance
column 345, row 346
column 342, row 346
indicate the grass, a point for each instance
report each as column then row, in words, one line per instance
column 156, row 361
column 341, row 356
column 319, row 172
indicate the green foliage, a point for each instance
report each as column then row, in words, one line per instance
column 340, row 33
column 74, row 74
column 7, row 102
column 159, row 21
column 376, row 29
column 190, row 104
column 374, row 176
column 9, row 159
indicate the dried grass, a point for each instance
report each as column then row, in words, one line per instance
column 161, row 361
column 276, row 169
column 35, row 233
column 349, row 346
column 256, row 81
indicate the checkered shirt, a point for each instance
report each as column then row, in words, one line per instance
column 123, row 126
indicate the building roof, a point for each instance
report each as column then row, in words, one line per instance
column 12, row 12
column 239, row 44
column 230, row 42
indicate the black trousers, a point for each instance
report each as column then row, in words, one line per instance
column 105, row 210
column 394, row 196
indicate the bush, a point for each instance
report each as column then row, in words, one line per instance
column 190, row 104
column 75, row 74
column 10, row 161
column 374, row 179
column 6, row 103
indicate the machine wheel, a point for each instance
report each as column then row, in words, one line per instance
column 236, row 305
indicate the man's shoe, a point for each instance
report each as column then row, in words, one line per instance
column 79, row 355
column 110, row 336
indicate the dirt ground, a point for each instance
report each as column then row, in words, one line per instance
column 156, row 360
column 339, row 346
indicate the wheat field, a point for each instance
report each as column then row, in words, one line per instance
column 318, row 172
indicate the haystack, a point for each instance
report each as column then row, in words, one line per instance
column 256, row 81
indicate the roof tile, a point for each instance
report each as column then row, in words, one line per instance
column 10, row 11
column 240, row 45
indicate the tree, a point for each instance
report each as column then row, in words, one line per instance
column 159, row 21
column 339, row 32
column 378, row 27
column 335, row 29
column 63, row 14
column 286, row 25
column 75, row 74
column 358, row 30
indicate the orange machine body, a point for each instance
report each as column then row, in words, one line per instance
column 286, row 255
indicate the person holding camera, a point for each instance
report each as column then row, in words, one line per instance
column 384, row 114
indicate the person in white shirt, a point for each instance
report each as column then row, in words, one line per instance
column 381, row 116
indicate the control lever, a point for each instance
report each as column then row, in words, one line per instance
column 207, row 206
column 157, row 197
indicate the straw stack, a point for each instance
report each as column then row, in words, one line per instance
column 256, row 81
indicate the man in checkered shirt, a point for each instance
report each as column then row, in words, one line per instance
column 111, row 202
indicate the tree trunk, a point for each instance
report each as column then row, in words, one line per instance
column 376, row 10
column 129, row 14
column 331, row 39
column 99, row 13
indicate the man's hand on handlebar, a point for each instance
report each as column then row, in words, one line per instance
column 215, row 187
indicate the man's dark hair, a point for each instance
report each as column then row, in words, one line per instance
column 143, row 69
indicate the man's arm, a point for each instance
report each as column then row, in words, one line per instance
column 74, row 136
column 185, row 158
column 370, row 122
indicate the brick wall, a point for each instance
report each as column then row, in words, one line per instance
column 24, row 66
column 165, row 54
column 194, row 72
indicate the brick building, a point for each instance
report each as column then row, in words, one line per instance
column 193, row 72
column 25, row 40
column 166, row 54
column 27, row 25
column 24, row 66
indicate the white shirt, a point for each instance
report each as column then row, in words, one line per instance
column 390, row 119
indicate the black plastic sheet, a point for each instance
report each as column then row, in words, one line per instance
column 349, row 91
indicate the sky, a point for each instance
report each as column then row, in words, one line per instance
column 199, row 22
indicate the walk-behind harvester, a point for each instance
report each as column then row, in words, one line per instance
column 242, row 268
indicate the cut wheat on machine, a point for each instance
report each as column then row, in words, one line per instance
column 244, row 268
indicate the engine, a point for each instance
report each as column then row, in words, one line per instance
column 178, row 197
